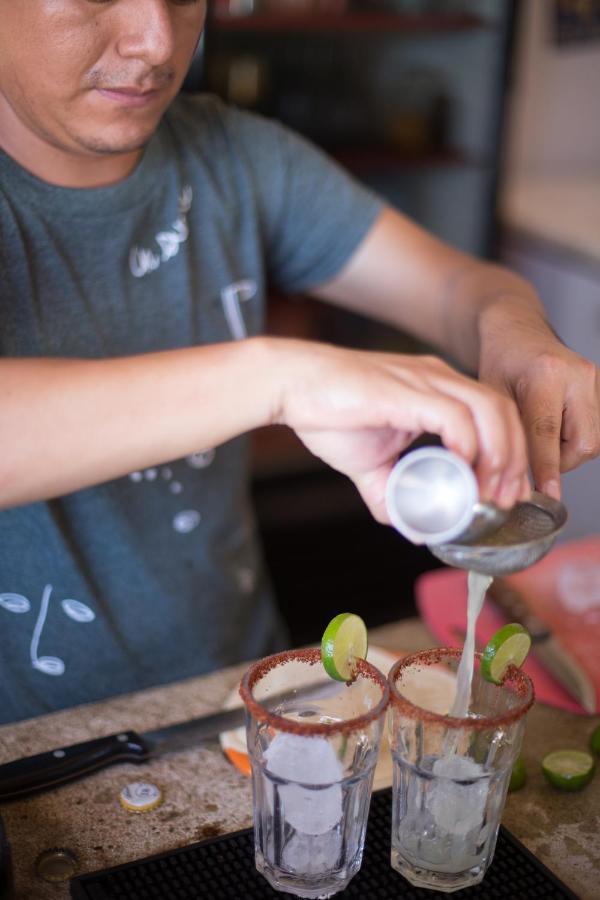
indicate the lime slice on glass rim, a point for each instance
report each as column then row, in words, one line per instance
column 508, row 646
column 570, row 770
column 344, row 641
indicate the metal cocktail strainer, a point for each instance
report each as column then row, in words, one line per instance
column 528, row 533
column 432, row 498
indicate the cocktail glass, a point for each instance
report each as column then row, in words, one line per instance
column 313, row 745
column 451, row 775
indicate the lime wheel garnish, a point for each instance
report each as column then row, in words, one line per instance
column 344, row 641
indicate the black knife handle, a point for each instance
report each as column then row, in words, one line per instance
column 46, row 770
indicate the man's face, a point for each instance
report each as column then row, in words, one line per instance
column 95, row 76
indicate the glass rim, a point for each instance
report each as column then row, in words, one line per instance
column 311, row 656
column 523, row 683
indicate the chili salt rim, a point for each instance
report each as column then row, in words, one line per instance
column 312, row 656
column 523, row 683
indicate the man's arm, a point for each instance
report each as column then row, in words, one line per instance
column 68, row 424
column 491, row 321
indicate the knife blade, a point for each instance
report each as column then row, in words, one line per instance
column 553, row 656
column 32, row 774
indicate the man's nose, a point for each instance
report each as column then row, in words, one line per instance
column 146, row 31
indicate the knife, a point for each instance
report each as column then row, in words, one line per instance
column 32, row 774
column 554, row 657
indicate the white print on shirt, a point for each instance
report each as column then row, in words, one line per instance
column 232, row 297
column 74, row 609
column 142, row 261
column 15, row 603
column 200, row 460
column 147, row 475
column 246, row 579
column 186, row 520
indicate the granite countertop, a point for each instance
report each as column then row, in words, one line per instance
column 205, row 796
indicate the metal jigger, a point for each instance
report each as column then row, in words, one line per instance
column 432, row 498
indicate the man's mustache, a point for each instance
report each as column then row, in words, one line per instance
column 149, row 81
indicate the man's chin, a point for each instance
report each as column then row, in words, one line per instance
column 117, row 141
column 102, row 147
column 115, row 145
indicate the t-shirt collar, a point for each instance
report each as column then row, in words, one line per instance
column 91, row 202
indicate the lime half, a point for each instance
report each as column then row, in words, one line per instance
column 509, row 646
column 595, row 740
column 343, row 642
column 570, row 770
column 518, row 776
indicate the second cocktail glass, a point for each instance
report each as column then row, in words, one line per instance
column 313, row 745
column 451, row 775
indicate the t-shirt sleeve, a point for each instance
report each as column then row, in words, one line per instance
column 312, row 212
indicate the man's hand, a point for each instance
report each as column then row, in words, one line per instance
column 557, row 391
column 491, row 321
column 357, row 410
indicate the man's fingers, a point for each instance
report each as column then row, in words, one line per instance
column 562, row 432
column 542, row 413
column 580, row 436
column 501, row 463
column 434, row 412
column 371, row 486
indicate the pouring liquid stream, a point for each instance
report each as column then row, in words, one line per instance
column 477, row 587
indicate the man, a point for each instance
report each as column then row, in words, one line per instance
column 136, row 243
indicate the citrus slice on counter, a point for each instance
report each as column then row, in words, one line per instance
column 570, row 770
column 518, row 776
column 508, row 646
column 344, row 641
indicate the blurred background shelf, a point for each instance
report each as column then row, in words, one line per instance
column 362, row 158
column 353, row 21
column 410, row 96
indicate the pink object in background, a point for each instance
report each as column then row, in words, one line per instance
column 563, row 590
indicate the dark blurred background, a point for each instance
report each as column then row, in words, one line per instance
column 462, row 114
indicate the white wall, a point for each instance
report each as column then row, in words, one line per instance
column 554, row 113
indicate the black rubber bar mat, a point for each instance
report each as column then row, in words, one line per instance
column 223, row 868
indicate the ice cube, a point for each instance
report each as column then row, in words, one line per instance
column 310, row 854
column 304, row 761
column 308, row 760
column 457, row 808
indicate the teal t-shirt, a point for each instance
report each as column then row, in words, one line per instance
column 156, row 576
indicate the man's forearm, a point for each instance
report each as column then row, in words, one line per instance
column 68, row 424
column 484, row 300
column 405, row 276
